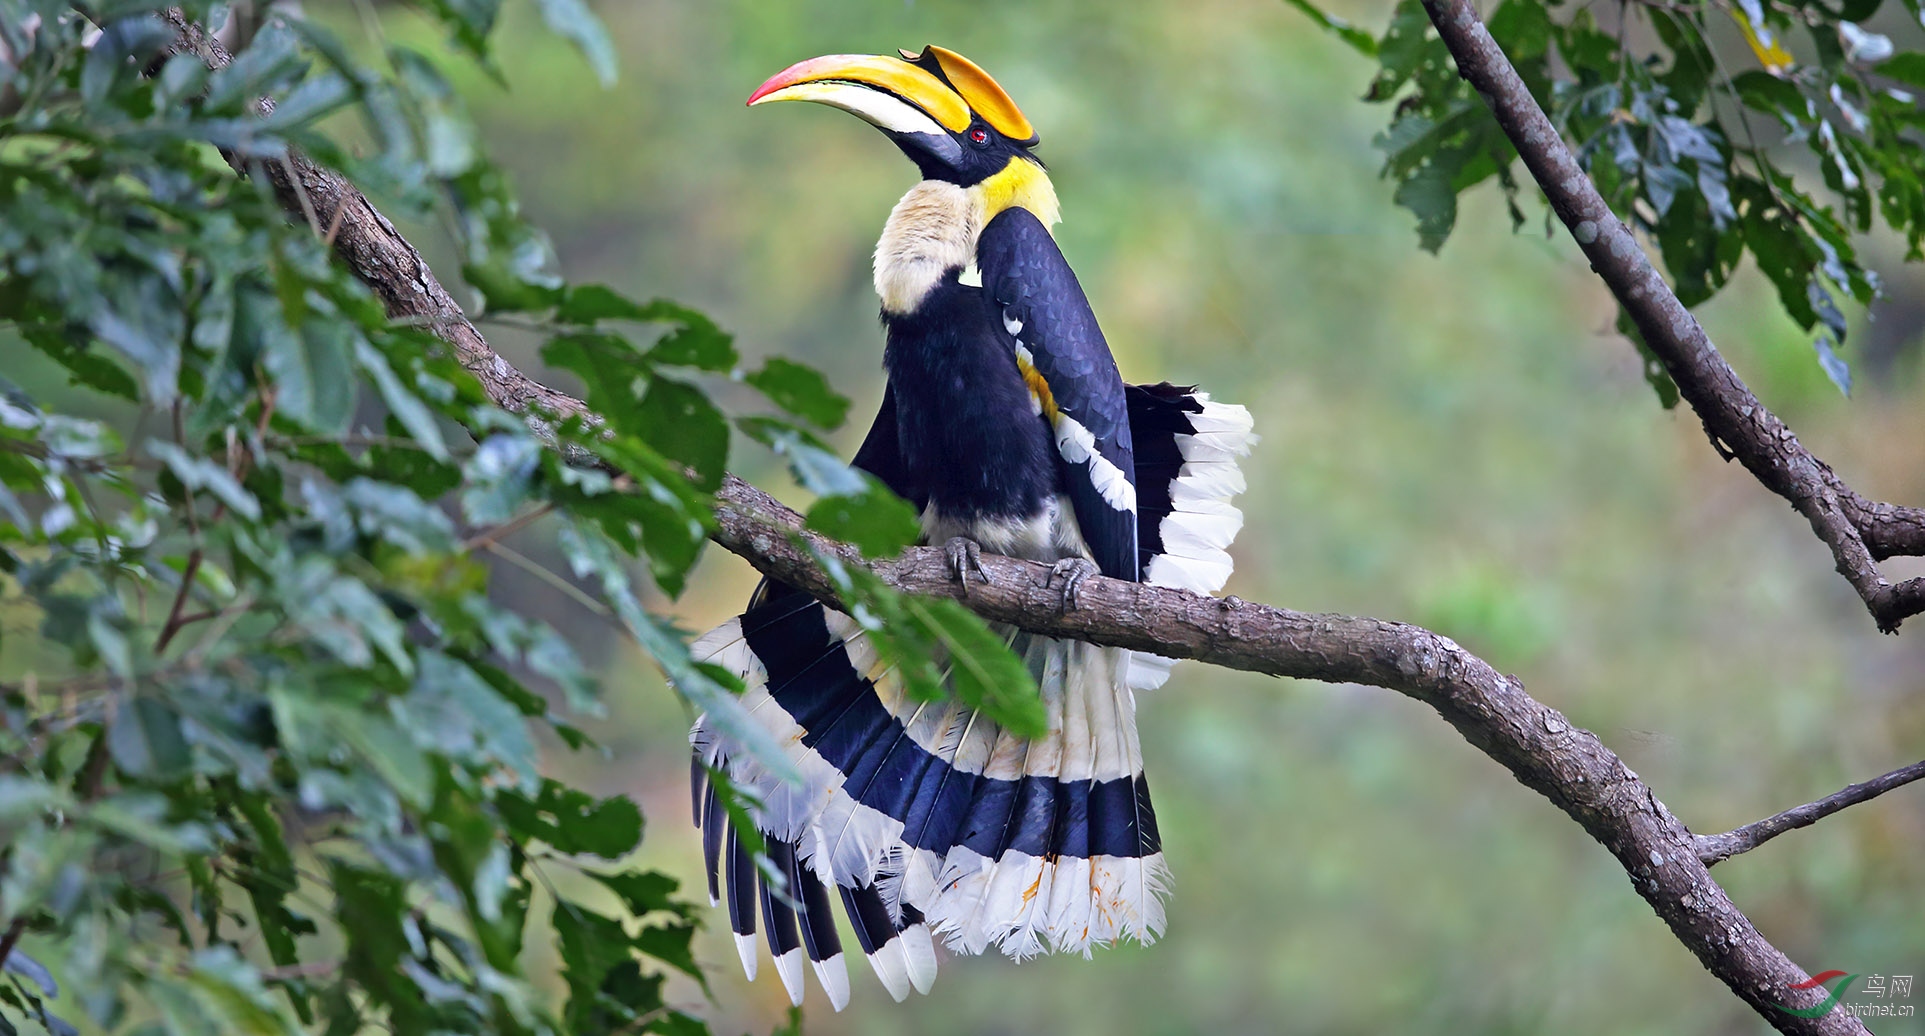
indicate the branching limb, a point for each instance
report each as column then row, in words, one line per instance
column 1537, row 744
column 1859, row 532
column 1713, row 849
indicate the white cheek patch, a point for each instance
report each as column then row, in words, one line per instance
column 878, row 109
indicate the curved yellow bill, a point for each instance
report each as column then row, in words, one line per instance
column 828, row 79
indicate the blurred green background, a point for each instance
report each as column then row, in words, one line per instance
column 1459, row 441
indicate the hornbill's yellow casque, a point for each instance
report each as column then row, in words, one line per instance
column 1006, row 424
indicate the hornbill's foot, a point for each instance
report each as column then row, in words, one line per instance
column 965, row 556
column 1072, row 572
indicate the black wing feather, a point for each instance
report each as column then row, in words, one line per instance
column 1026, row 277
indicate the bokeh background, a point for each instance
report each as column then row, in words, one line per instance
column 1456, row 440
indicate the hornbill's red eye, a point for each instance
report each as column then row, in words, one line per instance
column 979, row 135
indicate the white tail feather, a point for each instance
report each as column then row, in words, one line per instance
column 919, row 952
column 745, row 949
column 892, row 969
column 833, row 976
column 789, row 967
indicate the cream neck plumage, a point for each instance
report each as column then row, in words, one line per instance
column 933, row 229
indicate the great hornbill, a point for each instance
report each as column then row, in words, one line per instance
column 1007, row 426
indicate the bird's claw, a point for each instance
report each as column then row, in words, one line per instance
column 1073, row 572
column 965, row 556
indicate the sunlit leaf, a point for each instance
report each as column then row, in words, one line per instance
column 573, row 20
column 801, row 391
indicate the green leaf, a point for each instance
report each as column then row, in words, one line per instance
column 1359, row 40
column 1907, row 68
column 268, row 62
column 1522, row 28
column 197, row 473
column 1653, row 368
column 695, row 341
column 447, row 135
column 573, row 821
column 406, row 407
column 312, row 369
column 644, row 892
column 469, row 21
column 610, row 369
column 592, row 945
column 588, row 303
column 145, row 741
column 314, row 99
column 1429, row 194
column 230, row 993
column 1833, row 364
column 940, row 645
column 142, row 818
column 140, row 317
column 985, row 674
column 702, row 686
column 504, row 291
column 678, row 420
column 876, row 521
column 573, row 20
column 801, row 391
column 369, row 909
column 22, row 798
column 1767, row 93
column 454, row 712
column 672, row 944
column 86, row 366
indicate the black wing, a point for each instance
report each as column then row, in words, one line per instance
column 1055, row 336
column 881, row 455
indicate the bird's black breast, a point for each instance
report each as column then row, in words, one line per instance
column 970, row 441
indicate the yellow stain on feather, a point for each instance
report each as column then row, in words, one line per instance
column 1038, row 388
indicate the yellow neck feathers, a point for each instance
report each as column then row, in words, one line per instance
column 1021, row 183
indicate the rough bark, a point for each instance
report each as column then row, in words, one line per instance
column 1860, row 532
column 1568, row 765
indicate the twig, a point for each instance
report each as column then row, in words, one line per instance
column 495, row 533
column 1714, row 849
column 223, row 621
column 1858, row 532
column 174, row 622
column 307, row 207
column 11, row 938
column 541, row 572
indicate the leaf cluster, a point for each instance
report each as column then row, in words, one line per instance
column 1782, row 129
column 271, row 757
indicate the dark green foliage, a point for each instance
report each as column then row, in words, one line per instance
column 1693, row 142
column 270, row 758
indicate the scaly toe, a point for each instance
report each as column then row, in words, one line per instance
column 965, row 556
column 1073, row 572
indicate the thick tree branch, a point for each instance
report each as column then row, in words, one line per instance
column 1536, row 743
column 1859, row 532
column 1714, row 849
